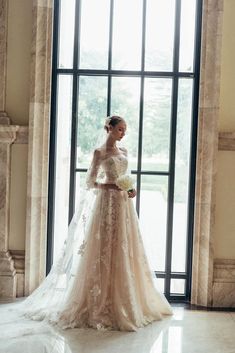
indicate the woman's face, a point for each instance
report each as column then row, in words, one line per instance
column 118, row 131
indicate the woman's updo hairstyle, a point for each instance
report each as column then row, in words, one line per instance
column 112, row 120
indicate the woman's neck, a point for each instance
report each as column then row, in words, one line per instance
column 111, row 144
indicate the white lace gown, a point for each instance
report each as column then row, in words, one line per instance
column 107, row 283
column 113, row 287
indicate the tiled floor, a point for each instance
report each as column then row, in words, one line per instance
column 187, row 331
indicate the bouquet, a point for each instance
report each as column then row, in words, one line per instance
column 125, row 182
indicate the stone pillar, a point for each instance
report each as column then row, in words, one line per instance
column 7, row 270
column 203, row 252
column 11, row 262
column 38, row 158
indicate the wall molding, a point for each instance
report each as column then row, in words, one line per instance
column 224, row 283
column 18, row 134
column 227, row 141
column 18, row 257
column 12, row 273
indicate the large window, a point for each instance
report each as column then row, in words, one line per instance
column 138, row 59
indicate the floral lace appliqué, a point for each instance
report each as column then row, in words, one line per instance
column 82, row 247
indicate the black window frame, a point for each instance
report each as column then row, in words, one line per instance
column 175, row 75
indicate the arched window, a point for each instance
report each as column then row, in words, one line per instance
column 138, row 59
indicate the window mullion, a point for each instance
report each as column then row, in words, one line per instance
column 141, row 109
column 172, row 148
column 52, row 147
column 193, row 147
column 110, row 52
column 73, row 154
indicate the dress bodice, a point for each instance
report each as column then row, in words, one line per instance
column 114, row 166
column 106, row 168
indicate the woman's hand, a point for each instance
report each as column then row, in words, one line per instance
column 132, row 193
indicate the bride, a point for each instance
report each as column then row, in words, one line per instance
column 102, row 278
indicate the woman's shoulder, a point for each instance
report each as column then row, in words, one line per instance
column 97, row 153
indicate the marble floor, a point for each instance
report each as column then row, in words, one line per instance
column 187, row 331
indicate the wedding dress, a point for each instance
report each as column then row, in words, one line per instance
column 102, row 278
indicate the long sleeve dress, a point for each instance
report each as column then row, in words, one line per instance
column 113, row 286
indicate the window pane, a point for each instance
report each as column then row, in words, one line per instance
column 125, row 102
column 127, row 34
column 183, row 140
column 92, row 108
column 187, row 32
column 160, row 22
column 153, row 215
column 62, row 161
column 66, row 33
column 80, row 187
column 94, row 34
column 177, row 286
column 156, row 128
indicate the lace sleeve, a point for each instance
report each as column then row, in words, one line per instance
column 93, row 169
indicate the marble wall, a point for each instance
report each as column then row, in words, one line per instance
column 12, row 262
column 21, row 273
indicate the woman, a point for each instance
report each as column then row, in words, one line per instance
column 102, row 279
column 116, row 290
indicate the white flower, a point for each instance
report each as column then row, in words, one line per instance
column 125, row 182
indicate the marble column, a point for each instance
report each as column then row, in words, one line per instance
column 11, row 262
column 203, row 253
column 7, row 270
column 38, row 160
